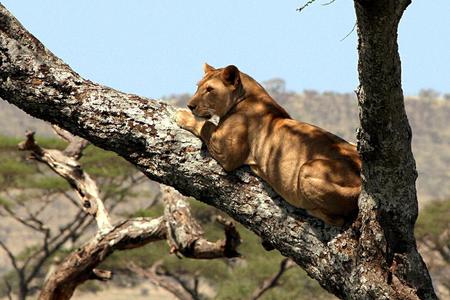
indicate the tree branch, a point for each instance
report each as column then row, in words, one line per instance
column 76, row 144
column 11, row 256
column 272, row 281
column 78, row 266
column 165, row 280
column 144, row 132
column 182, row 225
column 179, row 228
column 308, row 3
column 182, row 232
column 8, row 289
column 68, row 168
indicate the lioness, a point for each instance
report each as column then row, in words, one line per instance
column 308, row 166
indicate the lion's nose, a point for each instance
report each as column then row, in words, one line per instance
column 192, row 106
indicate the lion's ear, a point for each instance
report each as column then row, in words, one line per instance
column 231, row 75
column 207, row 68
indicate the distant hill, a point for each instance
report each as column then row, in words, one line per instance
column 14, row 122
column 429, row 116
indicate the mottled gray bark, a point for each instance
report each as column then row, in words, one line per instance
column 65, row 164
column 178, row 227
column 388, row 200
column 79, row 266
column 183, row 234
column 348, row 262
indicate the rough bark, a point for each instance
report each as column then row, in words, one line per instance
column 388, row 200
column 178, row 227
column 348, row 262
column 175, row 227
column 65, row 164
column 27, row 268
column 80, row 265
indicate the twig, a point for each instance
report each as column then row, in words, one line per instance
column 328, row 3
column 272, row 281
column 167, row 281
column 11, row 256
column 351, row 31
column 8, row 289
column 305, row 5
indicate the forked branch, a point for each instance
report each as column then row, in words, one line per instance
column 81, row 265
column 272, row 281
column 69, row 168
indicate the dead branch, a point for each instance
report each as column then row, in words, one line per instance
column 76, row 144
column 181, row 225
column 182, row 232
column 78, row 266
column 68, row 168
column 136, row 233
column 166, row 280
column 272, row 281
column 28, row 268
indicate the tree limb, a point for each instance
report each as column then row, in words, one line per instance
column 182, row 232
column 8, row 289
column 80, row 265
column 144, row 132
column 182, row 225
column 165, row 280
column 68, row 168
column 272, row 281
column 76, row 144
column 11, row 256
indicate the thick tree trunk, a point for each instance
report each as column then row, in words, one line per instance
column 384, row 142
column 349, row 262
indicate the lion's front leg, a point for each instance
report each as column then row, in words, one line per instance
column 227, row 144
column 186, row 120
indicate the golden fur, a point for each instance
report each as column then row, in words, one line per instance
column 308, row 166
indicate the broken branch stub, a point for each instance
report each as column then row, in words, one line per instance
column 185, row 235
column 69, row 168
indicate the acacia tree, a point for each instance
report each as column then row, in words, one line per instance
column 374, row 258
column 28, row 265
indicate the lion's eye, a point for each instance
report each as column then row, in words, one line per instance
column 209, row 89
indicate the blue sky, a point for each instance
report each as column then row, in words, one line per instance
column 156, row 48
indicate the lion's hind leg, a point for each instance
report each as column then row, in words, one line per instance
column 330, row 189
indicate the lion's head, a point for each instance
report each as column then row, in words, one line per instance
column 217, row 92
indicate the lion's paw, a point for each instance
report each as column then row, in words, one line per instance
column 185, row 119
